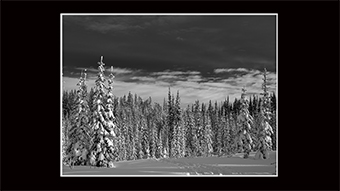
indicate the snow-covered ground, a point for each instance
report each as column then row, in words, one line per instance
column 207, row 166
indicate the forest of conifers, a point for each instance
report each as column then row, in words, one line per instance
column 146, row 129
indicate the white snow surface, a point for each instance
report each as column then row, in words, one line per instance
column 198, row 166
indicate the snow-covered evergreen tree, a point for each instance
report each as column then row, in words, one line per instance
column 69, row 103
column 219, row 135
column 183, row 130
column 64, row 138
column 79, row 132
column 153, row 137
column 197, row 130
column 139, row 136
column 123, row 126
column 175, row 147
column 174, row 125
column 171, row 125
column 274, row 131
column 159, row 146
column 103, row 151
column 178, row 131
column 208, row 136
column 157, row 130
column 213, row 115
column 225, row 137
column 244, row 120
column 145, row 138
column 130, row 121
column 273, row 120
column 189, row 125
column 232, row 133
column 164, row 131
column 265, row 130
column 91, row 101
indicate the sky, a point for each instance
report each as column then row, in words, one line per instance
column 204, row 57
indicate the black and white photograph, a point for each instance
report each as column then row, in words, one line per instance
column 169, row 95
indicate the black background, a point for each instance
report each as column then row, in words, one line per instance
column 308, row 105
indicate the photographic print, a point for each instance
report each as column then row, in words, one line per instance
column 168, row 95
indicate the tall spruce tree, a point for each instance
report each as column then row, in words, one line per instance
column 65, row 124
column 197, row 129
column 103, row 151
column 64, row 136
column 273, row 120
column 155, row 117
column 178, row 132
column 123, row 126
column 79, row 133
column 112, row 135
column 214, row 129
column 165, row 130
column 273, row 124
column 91, row 100
column 70, row 104
column 65, row 103
column 157, row 120
column 139, row 127
column 152, row 131
column 219, row 132
column 228, row 133
column 244, row 120
column 173, row 123
column 145, row 150
column 208, row 134
column 265, row 115
column 189, row 125
column 159, row 145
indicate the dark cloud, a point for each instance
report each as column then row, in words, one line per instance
column 216, row 41
column 163, row 49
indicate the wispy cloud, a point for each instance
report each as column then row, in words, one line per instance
column 115, row 70
column 191, row 84
column 144, row 78
column 170, row 72
column 221, row 70
column 123, row 71
column 195, row 78
column 174, row 76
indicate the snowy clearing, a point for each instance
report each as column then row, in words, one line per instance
column 182, row 167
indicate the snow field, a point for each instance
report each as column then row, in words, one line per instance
column 205, row 166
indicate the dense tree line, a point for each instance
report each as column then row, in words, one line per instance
column 147, row 129
column 133, row 128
